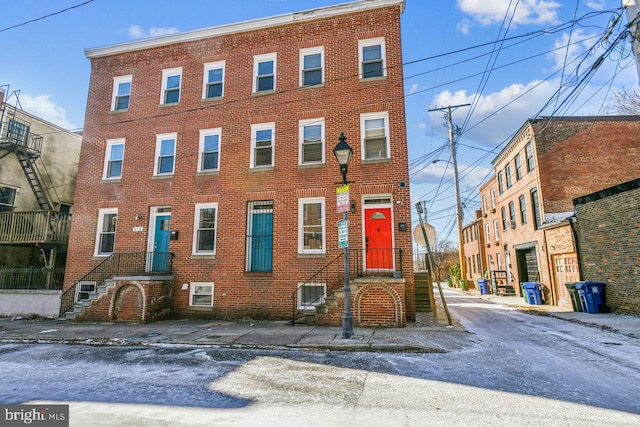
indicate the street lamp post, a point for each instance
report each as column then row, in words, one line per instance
column 343, row 153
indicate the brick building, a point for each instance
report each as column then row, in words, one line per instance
column 528, row 204
column 207, row 160
column 608, row 234
column 474, row 248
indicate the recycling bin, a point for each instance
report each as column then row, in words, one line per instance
column 575, row 297
column 591, row 296
column 523, row 293
column 483, row 285
column 534, row 293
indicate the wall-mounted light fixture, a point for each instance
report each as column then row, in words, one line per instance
column 138, row 217
column 353, row 206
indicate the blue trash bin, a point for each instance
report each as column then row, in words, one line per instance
column 483, row 284
column 534, row 294
column 591, row 296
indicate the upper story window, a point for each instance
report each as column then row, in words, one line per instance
column 372, row 58
column 312, row 66
column 204, row 229
column 213, row 86
column 8, row 199
column 113, row 159
column 518, row 162
column 121, row 93
column 503, row 212
column 264, row 73
column 106, row 232
column 523, row 210
column 496, row 229
column 209, row 151
column 262, row 145
column 165, row 154
column 512, row 214
column 311, row 225
column 531, row 161
column 171, row 79
column 500, row 183
column 535, row 208
column 493, row 198
column 485, row 206
column 507, row 174
column 375, row 135
column 311, row 141
column 487, row 229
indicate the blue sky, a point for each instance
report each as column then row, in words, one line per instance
column 451, row 49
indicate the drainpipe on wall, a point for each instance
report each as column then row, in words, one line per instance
column 572, row 223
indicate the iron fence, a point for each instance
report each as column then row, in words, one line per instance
column 31, row 278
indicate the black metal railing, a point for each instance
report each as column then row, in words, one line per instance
column 31, row 278
column 376, row 262
column 314, row 290
column 119, row 264
column 16, row 132
column 362, row 262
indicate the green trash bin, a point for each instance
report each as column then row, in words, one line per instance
column 575, row 297
column 523, row 293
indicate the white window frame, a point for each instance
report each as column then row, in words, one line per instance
column 499, row 258
column 15, row 197
column 496, row 229
column 257, row 59
column 301, row 125
column 192, row 293
column 170, row 72
column 117, row 81
column 203, row 134
column 254, row 131
column 493, row 198
column 301, row 305
column 485, row 205
column 108, row 160
column 159, row 139
column 308, row 201
column 311, row 51
column 374, row 116
column 196, row 223
column 487, row 229
column 383, row 53
column 101, row 215
column 205, row 79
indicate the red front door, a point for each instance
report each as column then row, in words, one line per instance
column 378, row 239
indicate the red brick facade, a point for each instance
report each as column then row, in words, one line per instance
column 139, row 194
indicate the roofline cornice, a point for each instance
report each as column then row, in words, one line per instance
column 243, row 26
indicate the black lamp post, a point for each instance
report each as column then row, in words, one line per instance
column 343, row 153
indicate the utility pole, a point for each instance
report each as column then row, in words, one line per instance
column 632, row 9
column 452, row 145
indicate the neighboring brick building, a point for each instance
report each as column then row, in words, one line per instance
column 215, row 145
column 608, row 229
column 474, row 248
column 527, row 206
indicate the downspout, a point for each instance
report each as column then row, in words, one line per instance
column 576, row 243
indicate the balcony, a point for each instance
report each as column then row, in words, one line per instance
column 34, row 227
column 16, row 136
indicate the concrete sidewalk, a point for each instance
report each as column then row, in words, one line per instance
column 425, row 335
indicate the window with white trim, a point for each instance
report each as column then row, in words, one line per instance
column 209, row 151
column 487, row 229
column 311, row 136
column 201, row 294
column 375, row 135
column 372, row 58
column 8, row 198
column 165, row 154
column 113, row 158
column 312, row 66
column 311, row 294
column 493, row 198
column 485, row 206
column 496, row 229
column 121, row 93
column 262, row 145
column 311, row 225
column 171, row 79
column 499, row 258
column 264, row 72
column 204, row 229
column 213, row 81
column 106, row 232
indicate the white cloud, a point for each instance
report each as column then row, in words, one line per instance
column 42, row 107
column 527, row 11
column 464, row 26
column 414, row 88
column 596, row 4
column 137, row 32
column 579, row 43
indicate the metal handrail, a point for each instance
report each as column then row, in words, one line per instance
column 118, row 264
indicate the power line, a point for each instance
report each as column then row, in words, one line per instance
column 46, row 16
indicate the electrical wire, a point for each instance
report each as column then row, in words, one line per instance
column 46, row 16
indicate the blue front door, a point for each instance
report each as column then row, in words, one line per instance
column 161, row 243
column 262, row 241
